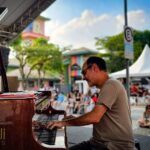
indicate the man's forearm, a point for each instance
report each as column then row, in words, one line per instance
column 85, row 119
column 92, row 117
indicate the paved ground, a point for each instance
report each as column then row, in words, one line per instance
column 141, row 134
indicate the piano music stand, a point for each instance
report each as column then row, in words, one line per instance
column 3, row 74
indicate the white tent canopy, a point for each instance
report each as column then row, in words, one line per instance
column 141, row 68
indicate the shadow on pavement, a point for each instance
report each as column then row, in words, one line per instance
column 144, row 141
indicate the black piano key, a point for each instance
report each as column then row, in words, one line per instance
column 44, row 135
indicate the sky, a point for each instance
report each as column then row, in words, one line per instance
column 78, row 23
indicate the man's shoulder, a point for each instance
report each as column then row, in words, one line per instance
column 113, row 81
column 115, row 84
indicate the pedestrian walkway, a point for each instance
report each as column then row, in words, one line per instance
column 144, row 141
column 137, row 114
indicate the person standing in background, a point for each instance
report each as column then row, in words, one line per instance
column 70, row 103
column 78, row 99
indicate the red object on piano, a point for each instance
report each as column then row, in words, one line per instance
column 16, row 112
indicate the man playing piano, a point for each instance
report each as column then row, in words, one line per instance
column 112, row 129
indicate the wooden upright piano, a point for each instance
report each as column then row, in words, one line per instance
column 17, row 111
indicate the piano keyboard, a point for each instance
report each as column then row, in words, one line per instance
column 48, row 137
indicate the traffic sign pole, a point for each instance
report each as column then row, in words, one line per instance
column 128, row 42
column 127, row 60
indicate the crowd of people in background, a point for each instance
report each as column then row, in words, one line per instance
column 139, row 91
column 76, row 102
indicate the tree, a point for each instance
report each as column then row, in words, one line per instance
column 141, row 38
column 115, row 48
column 41, row 56
column 20, row 54
column 44, row 57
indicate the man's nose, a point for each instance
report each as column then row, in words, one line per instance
column 84, row 77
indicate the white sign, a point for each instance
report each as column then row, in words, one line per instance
column 128, row 42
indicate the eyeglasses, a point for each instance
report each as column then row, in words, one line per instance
column 85, row 70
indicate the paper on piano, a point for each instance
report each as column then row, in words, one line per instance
column 17, row 95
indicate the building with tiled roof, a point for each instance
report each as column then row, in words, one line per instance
column 33, row 77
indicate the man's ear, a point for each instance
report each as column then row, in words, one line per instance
column 95, row 67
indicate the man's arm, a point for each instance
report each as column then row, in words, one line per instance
column 92, row 117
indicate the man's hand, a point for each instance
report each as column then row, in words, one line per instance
column 58, row 124
column 69, row 117
column 55, row 124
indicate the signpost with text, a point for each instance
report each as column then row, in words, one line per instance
column 128, row 42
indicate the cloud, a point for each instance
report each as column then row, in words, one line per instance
column 82, row 30
column 136, row 19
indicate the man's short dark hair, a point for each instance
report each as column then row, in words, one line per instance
column 97, row 60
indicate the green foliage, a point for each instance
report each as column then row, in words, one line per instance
column 44, row 56
column 40, row 42
column 41, row 56
column 140, row 40
column 115, row 55
column 17, row 41
column 115, row 48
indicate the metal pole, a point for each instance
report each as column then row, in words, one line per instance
column 125, row 12
column 127, row 60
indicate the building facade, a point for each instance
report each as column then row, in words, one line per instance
column 35, row 30
column 73, row 62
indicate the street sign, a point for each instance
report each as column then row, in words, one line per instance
column 128, row 42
